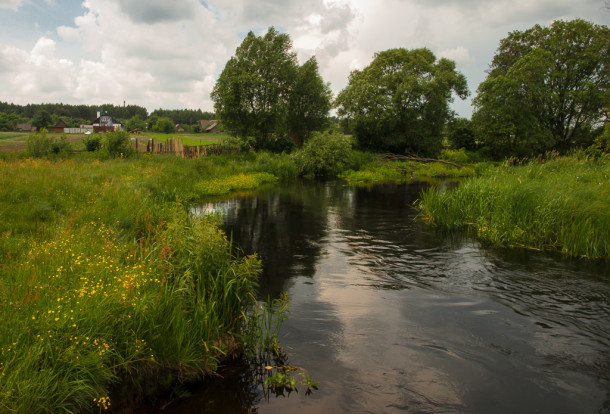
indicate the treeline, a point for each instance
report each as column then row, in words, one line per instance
column 183, row 116
column 75, row 115
column 61, row 110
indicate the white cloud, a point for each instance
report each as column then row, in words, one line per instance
column 168, row 54
column 10, row 4
column 459, row 54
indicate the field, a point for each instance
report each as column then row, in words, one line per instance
column 16, row 141
column 187, row 139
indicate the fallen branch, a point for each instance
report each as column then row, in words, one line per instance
column 404, row 157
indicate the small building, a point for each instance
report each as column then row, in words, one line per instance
column 180, row 128
column 58, row 127
column 105, row 123
column 25, row 128
column 209, row 125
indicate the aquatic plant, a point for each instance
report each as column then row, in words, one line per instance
column 546, row 203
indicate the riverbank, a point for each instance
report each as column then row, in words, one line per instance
column 557, row 203
column 109, row 285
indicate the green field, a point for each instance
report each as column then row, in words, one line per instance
column 187, row 139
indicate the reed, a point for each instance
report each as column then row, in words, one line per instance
column 547, row 203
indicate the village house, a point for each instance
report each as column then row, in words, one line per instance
column 58, row 127
column 105, row 123
column 25, row 128
column 209, row 125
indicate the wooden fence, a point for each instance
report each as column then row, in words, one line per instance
column 176, row 147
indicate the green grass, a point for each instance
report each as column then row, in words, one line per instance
column 187, row 139
column 108, row 285
column 558, row 203
column 12, row 138
column 403, row 171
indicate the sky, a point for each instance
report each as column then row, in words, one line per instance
column 169, row 54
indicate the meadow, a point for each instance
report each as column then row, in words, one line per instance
column 551, row 202
column 110, row 289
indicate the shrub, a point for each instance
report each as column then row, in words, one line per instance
column 93, row 142
column 39, row 144
column 117, row 144
column 324, row 155
column 61, row 146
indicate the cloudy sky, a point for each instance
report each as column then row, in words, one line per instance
column 169, row 53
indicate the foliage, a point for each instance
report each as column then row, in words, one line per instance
column 9, row 121
column 42, row 119
column 310, row 102
column 164, row 125
column 399, row 103
column 280, row 165
column 183, row 116
column 324, row 155
column 108, row 283
column 61, row 146
column 548, row 88
column 118, row 144
column 39, row 143
column 460, row 133
column 601, row 144
column 135, row 122
column 550, row 203
column 93, row 142
column 262, row 93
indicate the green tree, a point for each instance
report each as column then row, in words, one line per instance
column 461, row 134
column 325, row 154
column 310, row 102
column 547, row 89
column 42, row 119
column 400, row 102
column 260, row 95
column 164, row 125
column 135, row 122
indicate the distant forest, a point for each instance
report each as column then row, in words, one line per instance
column 74, row 115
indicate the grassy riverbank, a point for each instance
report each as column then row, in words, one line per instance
column 558, row 203
column 108, row 285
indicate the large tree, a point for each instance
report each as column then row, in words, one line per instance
column 400, row 102
column 547, row 89
column 263, row 94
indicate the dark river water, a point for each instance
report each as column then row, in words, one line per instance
column 388, row 315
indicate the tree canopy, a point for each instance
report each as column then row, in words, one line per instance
column 262, row 92
column 400, row 102
column 547, row 89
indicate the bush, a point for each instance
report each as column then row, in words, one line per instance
column 117, row 144
column 324, row 155
column 61, row 146
column 93, row 142
column 39, row 144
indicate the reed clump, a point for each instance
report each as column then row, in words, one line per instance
column 550, row 202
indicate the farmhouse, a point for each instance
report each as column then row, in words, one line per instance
column 25, row 128
column 209, row 125
column 106, row 123
column 58, row 127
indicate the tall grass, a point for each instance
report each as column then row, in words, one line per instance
column 549, row 203
column 107, row 284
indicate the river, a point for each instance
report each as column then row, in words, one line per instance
column 389, row 315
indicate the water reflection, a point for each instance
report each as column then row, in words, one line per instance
column 391, row 316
